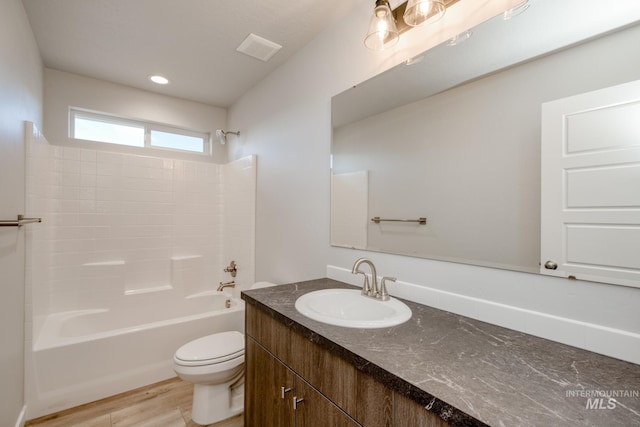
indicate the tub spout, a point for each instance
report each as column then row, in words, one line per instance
column 231, row 284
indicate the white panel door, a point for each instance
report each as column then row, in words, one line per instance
column 590, row 226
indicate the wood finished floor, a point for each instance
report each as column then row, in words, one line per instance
column 165, row 404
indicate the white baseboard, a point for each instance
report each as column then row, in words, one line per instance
column 601, row 339
column 22, row 417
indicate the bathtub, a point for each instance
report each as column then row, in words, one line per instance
column 85, row 355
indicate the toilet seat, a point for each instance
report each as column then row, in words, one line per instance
column 211, row 349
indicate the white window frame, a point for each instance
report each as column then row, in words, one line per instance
column 148, row 127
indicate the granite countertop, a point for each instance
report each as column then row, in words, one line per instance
column 473, row 373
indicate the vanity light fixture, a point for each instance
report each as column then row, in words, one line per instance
column 159, row 79
column 383, row 32
column 386, row 25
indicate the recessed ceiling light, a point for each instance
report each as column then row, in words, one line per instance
column 159, row 80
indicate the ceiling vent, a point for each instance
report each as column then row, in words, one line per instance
column 257, row 47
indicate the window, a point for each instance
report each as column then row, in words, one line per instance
column 99, row 127
column 174, row 141
column 108, row 130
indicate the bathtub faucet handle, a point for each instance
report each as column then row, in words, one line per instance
column 231, row 268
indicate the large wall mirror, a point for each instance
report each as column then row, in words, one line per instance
column 453, row 136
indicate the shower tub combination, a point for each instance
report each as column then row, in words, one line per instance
column 125, row 335
column 85, row 355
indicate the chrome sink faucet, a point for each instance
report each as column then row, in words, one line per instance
column 368, row 290
column 372, row 290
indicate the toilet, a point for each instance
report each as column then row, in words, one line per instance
column 215, row 365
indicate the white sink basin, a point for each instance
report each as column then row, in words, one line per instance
column 349, row 308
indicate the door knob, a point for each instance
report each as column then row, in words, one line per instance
column 550, row 265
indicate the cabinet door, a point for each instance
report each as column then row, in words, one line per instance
column 265, row 377
column 315, row 410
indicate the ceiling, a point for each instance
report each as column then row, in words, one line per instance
column 191, row 42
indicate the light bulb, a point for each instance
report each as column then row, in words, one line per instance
column 419, row 11
column 424, row 8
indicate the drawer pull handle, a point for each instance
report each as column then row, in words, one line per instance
column 296, row 402
column 285, row 390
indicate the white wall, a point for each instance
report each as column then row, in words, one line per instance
column 286, row 120
column 63, row 90
column 20, row 100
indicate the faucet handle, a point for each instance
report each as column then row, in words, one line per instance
column 366, row 288
column 384, row 294
column 231, row 268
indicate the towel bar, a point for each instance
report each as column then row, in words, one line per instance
column 421, row 221
column 19, row 222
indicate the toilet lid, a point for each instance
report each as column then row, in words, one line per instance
column 212, row 349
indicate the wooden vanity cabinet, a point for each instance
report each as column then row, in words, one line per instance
column 282, row 365
column 274, row 388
